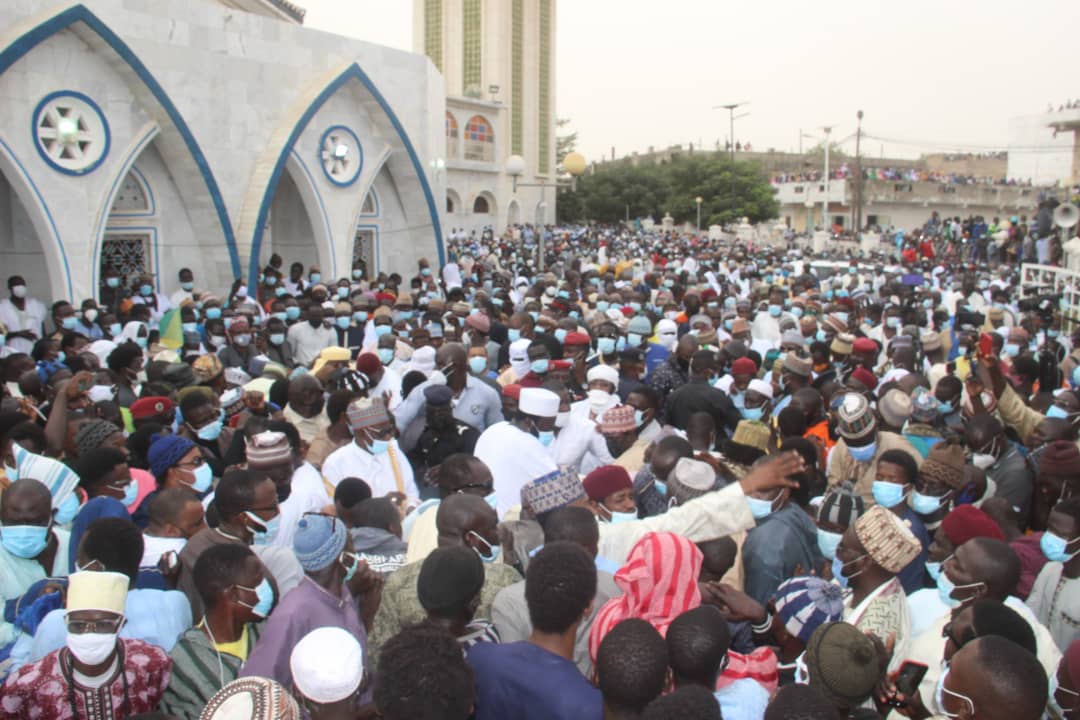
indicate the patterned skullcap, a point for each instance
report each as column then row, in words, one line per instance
column 887, row 539
column 366, row 412
column 690, row 479
column 924, row 406
column 552, row 491
column 945, row 464
column 895, row 407
column 268, row 449
column 618, row 420
column 805, row 603
column 752, row 434
column 856, row 417
column 252, row 698
column 841, row 505
column 798, row 365
column 318, row 541
column 842, row 344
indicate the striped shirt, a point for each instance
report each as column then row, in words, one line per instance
column 199, row 671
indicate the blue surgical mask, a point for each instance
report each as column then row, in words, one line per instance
column 946, row 587
column 379, row 447
column 214, row 313
column 639, row 418
column 1057, row 412
column 933, row 569
column 513, row 334
column 477, row 365
column 115, row 329
column 202, row 477
column 602, row 305
column 381, row 330
column 492, row 500
column 187, row 286
column 68, row 323
column 210, row 432
column 892, row 322
column 493, row 551
column 838, row 566
column 821, row 336
column 760, row 508
column 190, row 327
column 546, row 437
column 888, row 494
column 271, row 281
column 280, row 291
column 277, row 339
column 386, row 355
column 343, row 322
column 24, row 541
column 633, row 339
column 925, row 504
column 68, row 509
column 131, row 493
column 661, row 487
column 560, row 334
column 112, row 282
column 141, row 342
column 1012, row 349
column 315, row 278
column 863, row 454
column 605, row 345
column 540, row 366
column 752, row 413
column 291, row 313
column 270, row 528
column 828, row 542
column 775, row 310
column 146, row 290
column 620, row 517
column 796, row 311
column 1054, row 547
column 350, row 566
column 265, row 592
column 360, row 316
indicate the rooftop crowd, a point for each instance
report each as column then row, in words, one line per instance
column 656, row 476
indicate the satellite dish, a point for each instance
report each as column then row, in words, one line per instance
column 1066, row 215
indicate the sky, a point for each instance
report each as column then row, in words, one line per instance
column 928, row 75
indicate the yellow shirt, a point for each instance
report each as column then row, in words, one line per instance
column 238, row 648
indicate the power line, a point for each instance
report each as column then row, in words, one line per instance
column 967, row 146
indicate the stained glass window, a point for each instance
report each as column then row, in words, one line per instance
column 452, row 134
column 479, row 140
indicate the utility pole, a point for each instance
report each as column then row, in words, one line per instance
column 730, row 107
column 858, row 176
column 825, row 203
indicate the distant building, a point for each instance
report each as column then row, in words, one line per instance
column 498, row 60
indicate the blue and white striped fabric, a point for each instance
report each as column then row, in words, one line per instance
column 53, row 474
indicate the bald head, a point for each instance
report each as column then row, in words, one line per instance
column 688, row 345
column 26, row 502
column 458, row 514
column 1001, row 679
column 993, row 562
column 450, row 354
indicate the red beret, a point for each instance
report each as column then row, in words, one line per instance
column 559, row 305
column 628, row 311
column 845, row 302
column 864, row 345
column 386, row 297
column 368, row 363
column 865, row 377
column 576, row 338
column 561, row 364
column 605, row 481
column 743, row 366
column 149, row 407
column 967, row 522
column 512, row 391
column 708, row 294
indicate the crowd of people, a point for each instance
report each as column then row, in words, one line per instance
column 570, row 473
column 844, row 171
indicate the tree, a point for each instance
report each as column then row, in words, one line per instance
column 730, row 191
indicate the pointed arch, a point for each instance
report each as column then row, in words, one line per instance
column 351, row 72
column 80, row 14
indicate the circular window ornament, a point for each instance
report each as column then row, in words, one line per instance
column 70, row 132
column 341, row 155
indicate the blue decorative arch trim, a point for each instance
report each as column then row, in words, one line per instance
column 353, row 72
column 36, row 120
column 80, row 13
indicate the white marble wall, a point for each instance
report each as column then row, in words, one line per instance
column 241, row 83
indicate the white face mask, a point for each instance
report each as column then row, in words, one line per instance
column 599, row 400
column 19, row 291
column 91, row 648
column 562, row 419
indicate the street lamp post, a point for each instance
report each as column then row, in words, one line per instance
column 698, row 200
column 574, row 164
column 825, row 203
column 858, row 176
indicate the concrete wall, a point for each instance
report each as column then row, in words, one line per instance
column 1035, row 153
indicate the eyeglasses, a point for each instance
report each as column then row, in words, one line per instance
column 384, row 434
column 105, row 627
column 193, row 464
column 488, row 489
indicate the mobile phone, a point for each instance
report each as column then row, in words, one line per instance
column 986, row 344
column 908, row 678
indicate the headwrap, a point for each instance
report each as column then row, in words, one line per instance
column 842, row 664
column 806, row 602
column 95, row 509
column 47, row 368
column 92, row 433
column 1061, row 457
column 552, row 491
column 965, row 522
column 945, row 464
column 519, row 356
column 53, row 474
column 659, row 583
column 328, row 664
column 887, row 539
column 165, row 451
column 252, row 698
column 606, row 480
column 267, row 449
column 318, row 541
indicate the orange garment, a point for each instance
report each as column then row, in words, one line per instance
column 819, row 435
